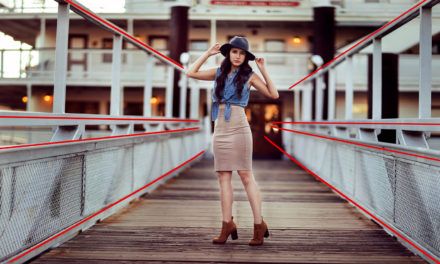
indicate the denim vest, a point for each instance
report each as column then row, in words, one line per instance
column 229, row 95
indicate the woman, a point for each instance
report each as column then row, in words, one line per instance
column 232, row 138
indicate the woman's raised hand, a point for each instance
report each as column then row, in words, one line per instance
column 259, row 62
column 214, row 49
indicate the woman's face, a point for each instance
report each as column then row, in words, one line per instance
column 237, row 56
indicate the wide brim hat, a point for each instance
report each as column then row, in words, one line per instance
column 237, row 42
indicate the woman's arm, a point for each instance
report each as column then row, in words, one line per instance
column 207, row 75
column 268, row 88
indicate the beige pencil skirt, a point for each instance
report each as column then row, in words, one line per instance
column 232, row 141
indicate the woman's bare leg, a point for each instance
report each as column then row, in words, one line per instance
column 253, row 193
column 226, row 195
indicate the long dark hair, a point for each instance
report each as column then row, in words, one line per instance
column 242, row 76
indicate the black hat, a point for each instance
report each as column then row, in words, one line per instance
column 237, row 42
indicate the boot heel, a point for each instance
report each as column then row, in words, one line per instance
column 234, row 234
column 266, row 234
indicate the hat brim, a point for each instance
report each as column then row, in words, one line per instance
column 224, row 49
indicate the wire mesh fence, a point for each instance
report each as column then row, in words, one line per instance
column 42, row 194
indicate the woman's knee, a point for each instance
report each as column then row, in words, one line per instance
column 246, row 176
column 224, row 175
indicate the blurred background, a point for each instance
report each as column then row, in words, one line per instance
column 286, row 33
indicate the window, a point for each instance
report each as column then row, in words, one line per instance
column 158, row 42
column 199, row 44
column 275, row 46
column 107, row 43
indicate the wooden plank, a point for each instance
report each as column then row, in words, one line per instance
column 175, row 224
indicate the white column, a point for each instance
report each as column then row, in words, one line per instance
column 331, row 94
column 377, row 79
column 116, row 90
column 208, row 101
column 213, row 38
column 425, row 63
column 59, row 93
column 42, row 37
column 169, row 93
column 213, row 31
column 307, row 103
column 183, row 83
column 195, row 100
column 1, row 63
column 148, row 87
column 349, row 88
column 29, row 97
column 319, row 97
column 296, row 104
column 130, row 30
column 103, row 111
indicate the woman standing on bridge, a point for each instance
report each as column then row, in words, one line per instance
column 232, row 138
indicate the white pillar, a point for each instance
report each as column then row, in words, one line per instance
column 319, row 97
column 307, row 103
column 29, row 97
column 169, row 93
column 213, row 39
column 130, row 30
column 377, row 79
column 349, row 88
column 42, row 36
column 331, row 94
column 425, row 67
column 116, row 89
column 183, row 83
column 195, row 100
column 59, row 93
column 148, row 87
column 296, row 104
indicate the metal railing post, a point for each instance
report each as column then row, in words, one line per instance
column 183, row 90
column 307, row 103
column 148, row 87
column 59, row 99
column 319, row 97
column 425, row 63
column 195, row 99
column 331, row 94
column 1, row 63
column 296, row 104
column 349, row 88
column 377, row 79
column 29, row 96
column 116, row 98
column 169, row 92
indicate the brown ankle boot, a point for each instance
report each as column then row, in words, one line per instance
column 260, row 231
column 228, row 228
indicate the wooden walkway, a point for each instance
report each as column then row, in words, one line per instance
column 176, row 222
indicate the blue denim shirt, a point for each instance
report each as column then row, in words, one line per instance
column 229, row 95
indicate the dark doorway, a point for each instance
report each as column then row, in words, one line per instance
column 260, row 116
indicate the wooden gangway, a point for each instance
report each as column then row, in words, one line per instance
column 176, row 222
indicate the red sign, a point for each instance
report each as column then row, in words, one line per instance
column 255, row 3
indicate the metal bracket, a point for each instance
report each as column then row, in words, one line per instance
column 173, row 126
column 368, row 134
column 341, row 132
column 124, row 129
column 68, row 133
column 412, row 138
column 154, row 127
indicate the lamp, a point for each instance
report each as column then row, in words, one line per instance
column 296, row 40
